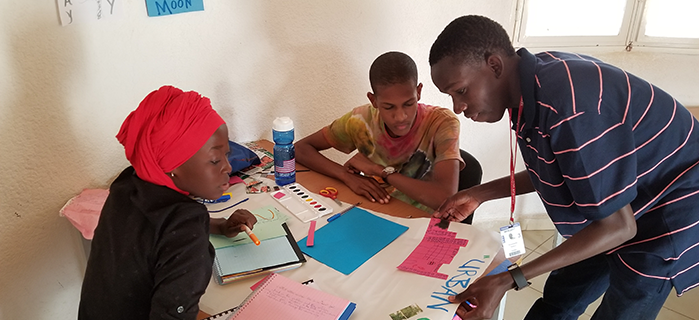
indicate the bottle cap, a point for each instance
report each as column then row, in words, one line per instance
column 282, row 124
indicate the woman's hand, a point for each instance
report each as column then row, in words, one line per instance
column 234, row 224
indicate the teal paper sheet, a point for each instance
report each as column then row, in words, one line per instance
column 349, row 241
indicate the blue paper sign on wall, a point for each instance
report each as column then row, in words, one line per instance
column 166, row 7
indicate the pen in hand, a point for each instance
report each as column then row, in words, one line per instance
column 252, row 236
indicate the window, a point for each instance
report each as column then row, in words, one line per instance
column 616, row 24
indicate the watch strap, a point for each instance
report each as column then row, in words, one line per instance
column 517, row 275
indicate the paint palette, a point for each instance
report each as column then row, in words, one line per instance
column 303, row 204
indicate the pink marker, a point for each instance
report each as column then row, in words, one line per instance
column 311, row 233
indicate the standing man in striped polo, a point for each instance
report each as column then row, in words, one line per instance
column 613, row 158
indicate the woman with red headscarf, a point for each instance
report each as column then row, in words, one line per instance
column 151, row 257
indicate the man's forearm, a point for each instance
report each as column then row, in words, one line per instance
column 311, row 158
column 428, row 193
column 500, row 188
column 444, row 183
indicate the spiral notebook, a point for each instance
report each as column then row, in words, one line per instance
column 279, row 297
column 223, row 315
column 248, row 260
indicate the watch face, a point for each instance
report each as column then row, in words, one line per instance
column 389, row 170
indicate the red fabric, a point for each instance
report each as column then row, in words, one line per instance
column 167, row 128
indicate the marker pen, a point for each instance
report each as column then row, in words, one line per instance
column 252, row 236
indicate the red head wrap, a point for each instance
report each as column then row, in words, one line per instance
column 167, row 128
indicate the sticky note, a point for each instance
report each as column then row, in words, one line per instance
column 167, row 7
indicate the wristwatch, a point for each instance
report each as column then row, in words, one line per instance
column 516, row 273
column 388, row 171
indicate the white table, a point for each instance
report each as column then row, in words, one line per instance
column 377, row 287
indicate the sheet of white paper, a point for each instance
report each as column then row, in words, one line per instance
column 378, row 287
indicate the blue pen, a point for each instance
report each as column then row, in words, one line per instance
column 225, row 197
column 226, row 208
column 337, row 215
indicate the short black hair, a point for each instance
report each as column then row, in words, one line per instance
column 392, row 68
column 471, row 39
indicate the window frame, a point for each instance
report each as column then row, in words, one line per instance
column 639, row 37
column 631, row 35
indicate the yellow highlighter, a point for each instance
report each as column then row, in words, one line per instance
column 252, row 236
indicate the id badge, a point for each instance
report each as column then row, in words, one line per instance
column 512, row 241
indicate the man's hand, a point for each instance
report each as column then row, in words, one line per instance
column 485, row 294
column 234, row 224
column 457, row 207
column 367, row 187
column 360, row 163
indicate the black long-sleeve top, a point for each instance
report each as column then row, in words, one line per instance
column 150, row 256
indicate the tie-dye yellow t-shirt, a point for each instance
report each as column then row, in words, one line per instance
column 434, row 137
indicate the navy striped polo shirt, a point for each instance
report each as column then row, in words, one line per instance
column 595, row 138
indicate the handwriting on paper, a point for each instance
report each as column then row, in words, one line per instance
column 456, row 283
column 312, row 307
column 438, row 247
column 79, row 11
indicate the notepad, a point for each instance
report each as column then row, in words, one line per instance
column 243, row 261
column 279, row 297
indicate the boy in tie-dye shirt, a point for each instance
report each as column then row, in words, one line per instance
column 412, row 146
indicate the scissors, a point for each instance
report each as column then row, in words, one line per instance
column 330, row 192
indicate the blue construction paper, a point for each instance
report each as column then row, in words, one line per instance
column 347, row 242
column 166, row 7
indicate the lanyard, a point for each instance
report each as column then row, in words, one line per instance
column 513, row 161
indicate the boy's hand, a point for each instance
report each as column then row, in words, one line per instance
column 367, row 187
column 234, row 224
column 360, row 163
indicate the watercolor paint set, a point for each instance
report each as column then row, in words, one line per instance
column 300, row 202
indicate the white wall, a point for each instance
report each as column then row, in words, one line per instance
column 64, row 92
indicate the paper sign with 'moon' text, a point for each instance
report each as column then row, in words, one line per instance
column 158, row 8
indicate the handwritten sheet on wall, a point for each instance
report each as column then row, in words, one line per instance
column 81, row 11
